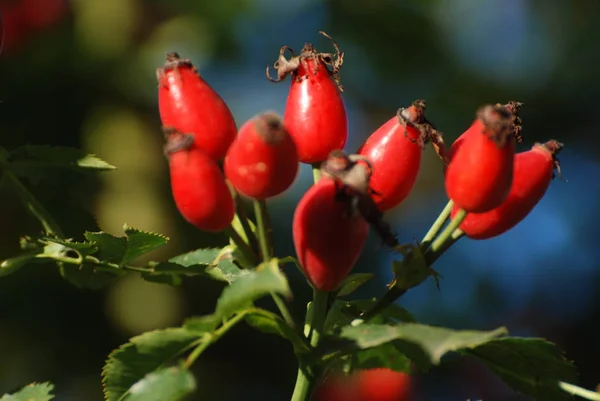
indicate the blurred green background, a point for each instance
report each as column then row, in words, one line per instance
column 82, row 73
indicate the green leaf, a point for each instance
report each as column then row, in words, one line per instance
column 204, row 256
column 532, row 366
column 202, row 324
column 141, row 355
column 82, row 248
column 35, row 157
column 270, row 323
column 580, row 392
column 344, row 312
column 383, row 356
column 122, row 250
column 88, row 276
column 213, row 263
column 171, row 384
column 32, row 392
column 141, row 242
column 435, row 341
column 353, row 282
column 266, row 279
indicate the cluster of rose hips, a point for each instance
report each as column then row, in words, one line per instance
column 491, row 187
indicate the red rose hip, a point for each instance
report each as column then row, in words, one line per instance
column 315, row 114
column 198, row 185
column 533, row 172
column 382, row 384
column 328, row 239
column 394, row 150
column 188, row 104
column 262, row 161
column 480, row 168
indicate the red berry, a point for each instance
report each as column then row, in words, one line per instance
column 533, row 172
column 188, row 104
column 328, row 240
column 336, row 387
column 262, row 161
column 480, row 167
column 394, row 150
column 383, row 384
column 40, row 14
column 315, row 114
column 198, row 185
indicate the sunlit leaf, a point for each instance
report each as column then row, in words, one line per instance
column 266, row 279
column 32, row 392
column 435, row 341
column 142, row 355
column 170, row 384
column 41, row 158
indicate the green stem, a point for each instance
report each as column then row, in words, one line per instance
column 34, row 206
column 302, row 388
column 315, row 319
column 438, row 246
column 316, row 169
column 432, row 257
column 213, row 338
column 241, row 244
column 260, row 210
column 391, row 295
column 242, row 215
column 437, row 226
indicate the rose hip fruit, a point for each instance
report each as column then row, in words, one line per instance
column 480, row 168
column 262, row 161
column 315, row 114
column 328, row 240
column 198, row 185
column 533, row 172
column 383, row 384
column 188, row 104
column 394, row 150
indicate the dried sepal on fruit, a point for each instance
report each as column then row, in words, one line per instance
column 533, row 172
column 352, row 175
column 395, row 149
column 479, row 172
column 315, row 114
column 187, row 103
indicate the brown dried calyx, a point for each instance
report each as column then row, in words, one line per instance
column 554, row 147
column 502, row 122
column 176, row 141
column 331, row 61
column 414, row 116
column 270, row 128
column 173, row 61
column 352, row 174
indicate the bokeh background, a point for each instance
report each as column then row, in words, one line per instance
column 82, row 73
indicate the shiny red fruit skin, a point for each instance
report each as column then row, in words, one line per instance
column 327, row 241
column 315, row 114
column 383, row 385
column 395, row 160
column 200, row 191
column 533, row 172
column 262, row 161
column 190, row 105
column 479, row 172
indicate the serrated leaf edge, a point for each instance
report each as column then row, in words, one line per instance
column 131, row 341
